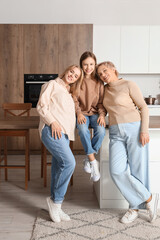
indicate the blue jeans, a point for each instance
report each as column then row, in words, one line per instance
column 63, row 163
column 129, row 163
column 91, row 145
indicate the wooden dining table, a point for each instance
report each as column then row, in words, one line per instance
column 14, row 123
column 18, row 124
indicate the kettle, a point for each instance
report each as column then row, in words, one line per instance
column 150, row 100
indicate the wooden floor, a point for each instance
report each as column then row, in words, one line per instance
column 18, row 208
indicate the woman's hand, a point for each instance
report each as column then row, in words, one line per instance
column 101, row 121
column 144, row 138
column 56, row 130
column 81, row 119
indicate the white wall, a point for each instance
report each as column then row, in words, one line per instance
column 112, row 12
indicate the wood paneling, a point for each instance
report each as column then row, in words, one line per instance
column 74, row 39
column 11, row 63
column 11, row 69
column 40, row 48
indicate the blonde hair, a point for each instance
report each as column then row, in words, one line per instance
column 74, row 87
column 108, row 64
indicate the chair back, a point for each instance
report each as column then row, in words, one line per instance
column 23, row 108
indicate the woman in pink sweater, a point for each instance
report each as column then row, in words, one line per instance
column 57, row 127
column 128, row 148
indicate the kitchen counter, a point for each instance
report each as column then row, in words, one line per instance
column 154, row 106
column 107, row 193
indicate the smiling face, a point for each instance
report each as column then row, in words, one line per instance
column 106, row 74
column 72, row 75
column 88, row 66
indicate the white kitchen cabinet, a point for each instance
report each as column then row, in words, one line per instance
column 107, row 193
column 106, row 43
column 154, row 49
column 154, row 145
column 154, row 110
column 134, row 49
column 154, row 178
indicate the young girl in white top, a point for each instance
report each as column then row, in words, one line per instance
column 57, row 126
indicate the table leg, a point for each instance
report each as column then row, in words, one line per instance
column 26, row 159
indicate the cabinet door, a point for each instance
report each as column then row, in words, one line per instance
column 154, row 50
column 11, row 70
column 134, row 49
column 11, row 63
column 154, row 149
column 106, row 44
column 155, row 178
column 40, row 48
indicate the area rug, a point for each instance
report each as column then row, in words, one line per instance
column 95, row 224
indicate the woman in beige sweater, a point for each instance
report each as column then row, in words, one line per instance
column 128, row 148
column 57, row 126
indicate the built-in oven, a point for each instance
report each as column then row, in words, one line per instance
column 33, row 84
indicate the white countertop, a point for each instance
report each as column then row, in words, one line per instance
column 154, row 106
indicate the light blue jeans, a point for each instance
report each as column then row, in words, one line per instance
column 129, row 163
column 91, row 145
column 63, row 163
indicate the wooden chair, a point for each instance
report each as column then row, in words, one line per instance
column 18, row 110
column 44, row 163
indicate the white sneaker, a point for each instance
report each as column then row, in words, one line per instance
column 129, row 216
column 54, row 210
column 95, row 174
column 152, row 206
column 87, row 166
column 64, row 216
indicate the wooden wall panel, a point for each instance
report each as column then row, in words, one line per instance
column 40, row 48
column 11, row 68
column 11, row 63
column 74, row 39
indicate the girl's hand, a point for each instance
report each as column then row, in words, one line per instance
column 101, row 121
column 81, row 119
column 144, row 138
column 56, row 130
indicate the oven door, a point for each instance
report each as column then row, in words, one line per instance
column 32, row 91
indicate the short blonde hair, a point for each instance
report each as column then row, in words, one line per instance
column 108, row 64
column 74, row 87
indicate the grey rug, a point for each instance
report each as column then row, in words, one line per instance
column 91, row 224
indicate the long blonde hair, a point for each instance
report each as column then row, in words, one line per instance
column 74, row 87
column 108, row 64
